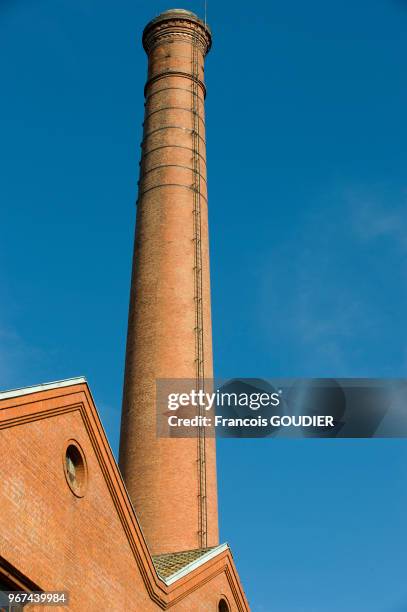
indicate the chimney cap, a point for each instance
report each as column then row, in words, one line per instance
column 180, row 14
column 177, row 10
column 171, row 13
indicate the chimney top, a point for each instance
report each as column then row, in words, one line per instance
column 176, row 13
column 175, row 10
column 171, row 13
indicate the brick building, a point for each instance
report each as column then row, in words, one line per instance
column 145, row 536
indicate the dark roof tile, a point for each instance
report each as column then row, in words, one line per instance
column 170, row 563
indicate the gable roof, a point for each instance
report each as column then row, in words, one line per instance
column 188, row 569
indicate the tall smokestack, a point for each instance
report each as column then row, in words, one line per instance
column 172, row 482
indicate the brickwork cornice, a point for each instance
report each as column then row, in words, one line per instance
column 170, row 27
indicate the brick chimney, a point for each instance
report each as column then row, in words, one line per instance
column 172, row 482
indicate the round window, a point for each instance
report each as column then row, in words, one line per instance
column 75, row 468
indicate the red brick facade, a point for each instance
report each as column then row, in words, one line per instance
column 91, row 546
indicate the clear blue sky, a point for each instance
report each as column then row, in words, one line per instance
column 307, row 146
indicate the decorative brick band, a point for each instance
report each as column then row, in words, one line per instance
column 172, row 26
column 174, row 73
column 170, row 146
column 153, row 93
column 145, row 172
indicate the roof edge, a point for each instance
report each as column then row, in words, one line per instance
column 68, row 382
column 195, row 564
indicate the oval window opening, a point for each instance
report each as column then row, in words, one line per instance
column 223, row 606
column 75, row 470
